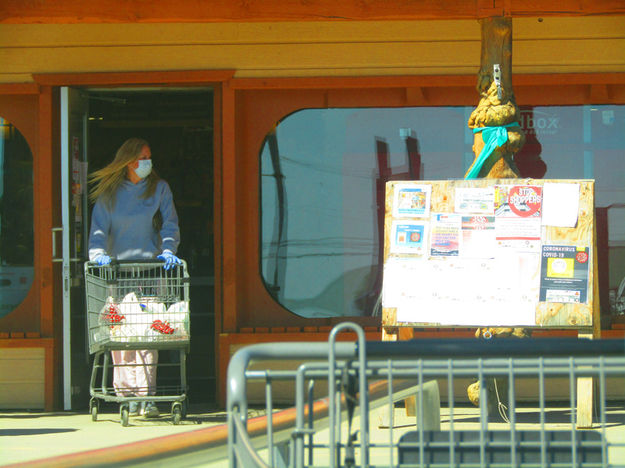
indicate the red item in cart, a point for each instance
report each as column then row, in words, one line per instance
column 162, row 327
column 111, row 315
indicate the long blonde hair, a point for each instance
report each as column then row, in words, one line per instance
column 108, row 179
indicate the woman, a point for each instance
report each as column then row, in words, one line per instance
column 129, row 196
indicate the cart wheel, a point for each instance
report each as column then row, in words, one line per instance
column 93, row 409
column 184, row 409
column 176, row 413
column 124, row 415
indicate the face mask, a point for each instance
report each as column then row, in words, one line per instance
column 144, row 168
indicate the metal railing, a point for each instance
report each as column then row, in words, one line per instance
column 530, row 424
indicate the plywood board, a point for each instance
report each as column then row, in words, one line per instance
column 490, row 252
column 22, row 378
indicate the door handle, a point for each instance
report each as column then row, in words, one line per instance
column 54, row 231
column 54, row 258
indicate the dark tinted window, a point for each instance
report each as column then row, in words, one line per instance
column 16, row 217
column 322, row 187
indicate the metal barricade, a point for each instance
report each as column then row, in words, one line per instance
column 534, row 424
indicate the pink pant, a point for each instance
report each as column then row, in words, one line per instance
column 135, row 372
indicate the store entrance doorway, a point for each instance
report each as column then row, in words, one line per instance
column 178, row 124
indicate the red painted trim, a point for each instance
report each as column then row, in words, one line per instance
column 160, row 78
column 44, row 201
column 19, row 88
column 217, row 222
column 162, row 11
column 354, row 82
column 432, row 81
column 229, row 226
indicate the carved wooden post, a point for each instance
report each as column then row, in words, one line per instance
column 495, row 124
column 497, row 106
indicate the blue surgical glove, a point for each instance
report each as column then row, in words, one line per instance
column 170, row 259
column 102, row 259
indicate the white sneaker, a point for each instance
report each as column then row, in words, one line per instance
column 149, row 410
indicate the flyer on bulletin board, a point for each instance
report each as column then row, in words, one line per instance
column 564, row 274
column 445, row 235
column 409, row 237
column 518, row 201
column 412, row 201
column 478, row 236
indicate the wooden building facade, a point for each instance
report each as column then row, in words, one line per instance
column 208, row 83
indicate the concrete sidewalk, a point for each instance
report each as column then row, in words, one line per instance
column 28, row 436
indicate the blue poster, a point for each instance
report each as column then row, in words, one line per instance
column 408, row 237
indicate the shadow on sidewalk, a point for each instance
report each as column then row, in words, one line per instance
column 25, row 432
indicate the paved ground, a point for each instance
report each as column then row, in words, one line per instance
column 26, row 436
column 30, row 436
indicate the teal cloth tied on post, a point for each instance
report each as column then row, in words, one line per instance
column 493, row 137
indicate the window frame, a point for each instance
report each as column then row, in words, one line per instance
column 260, row 104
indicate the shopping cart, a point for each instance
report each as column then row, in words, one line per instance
column 137, row 306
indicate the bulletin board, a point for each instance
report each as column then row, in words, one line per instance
column 490, row 252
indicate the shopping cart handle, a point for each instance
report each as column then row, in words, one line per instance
column 114, row 262
column 146, row 260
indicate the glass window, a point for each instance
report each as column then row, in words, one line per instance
column 16, row 217
column 322, row 187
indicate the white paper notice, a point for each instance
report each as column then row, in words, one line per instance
column 403, row 281
column 560, row 204
column 465, row 292
column 518, row 234
column 475, row 200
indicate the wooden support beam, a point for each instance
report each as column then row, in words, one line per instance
column 163, row 11
column 599, row 93
column 415, row 96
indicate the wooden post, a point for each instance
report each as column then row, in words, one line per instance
column 497, row 106
column 584, row 395
column 585, row 385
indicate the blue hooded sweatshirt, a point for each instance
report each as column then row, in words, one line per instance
column 126, row 232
